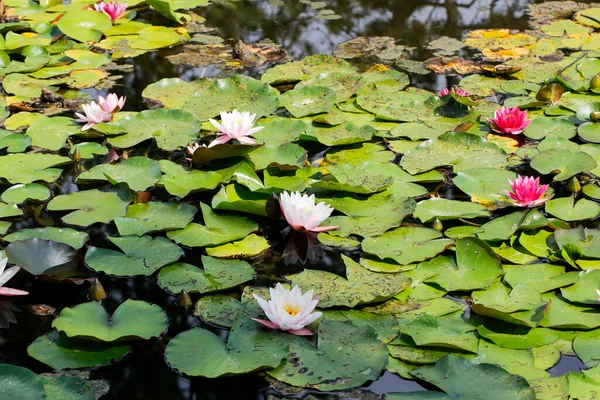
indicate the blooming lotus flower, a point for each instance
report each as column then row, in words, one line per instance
column 235, row 125
column 7, row 275
column 527, row 191
column 444, row 92
column 113, row 10
column 289, row 310
column 94, row 114
column 510, row 120
column 112, row 104
column 302, row 214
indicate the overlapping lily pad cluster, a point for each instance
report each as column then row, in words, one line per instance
column 447, row 279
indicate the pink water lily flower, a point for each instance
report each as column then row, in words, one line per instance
column 510, row 120
column 527, row 191
column 94, row 114
column 461, row 92
column 112, row 103
column 7, row 275
column 444, row 92
column 302, row 214
column 598, row 293
column 113, row 10
column 235, row 125
column 289, row 310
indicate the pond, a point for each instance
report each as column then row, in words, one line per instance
column 453, row 148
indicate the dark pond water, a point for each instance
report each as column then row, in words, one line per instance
column 145, row 374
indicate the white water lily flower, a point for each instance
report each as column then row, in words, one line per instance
column 191, row 148
column 235, row 125
column 94, row 114
column 6, row 276
column 289, row 310
column 112, row 103
column 302, row 214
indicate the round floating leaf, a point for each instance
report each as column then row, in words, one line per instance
column 218, row 229
column 566, row 209
column 486, row 186
column 170, row 128
column 286, row 154
column 251, row 245
column 92, row 205
column 501, row 228
column 67, row 388
column 445, row 209
column 20, row 383
column 61, row 352
column 84, row 25
column 39, row 256
column 143, row 256
column 344, row 85
column 542, row 277
column 542, row 127
column 132, row 319
column 584, row 290
column 343, row 134
column 345, row 357
column 217, row 275
column 180, row 182
column 587, row 347
column 20, row 193
column 154, row 217
column 173, row 92
column 361, row 287
column 238, row 92
column 563, row 162
column 139, row 173
column 308, row 100
column 219, row 309
column 476, row 268
column 14, row 142
column 518, row 337
column 73, row 238
column 408, row 106
column 89, row 149
column 199, row 352
column 461, row 150
column 560, row 314
column 590, row 132
column 27, row 168
column 306, row 69
column 449, row 331
column 455, row 376
column 501, row 298
column 406, row 245
column 52, row 133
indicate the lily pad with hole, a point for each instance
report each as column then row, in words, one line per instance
column 92, row 206
column 155, row 217
column 132, row 319
column 141, row 255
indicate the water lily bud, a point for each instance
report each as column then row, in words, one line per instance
column 184, row 299
column 595, row 82
column 573, row 185
column 437, row 224
column 77, row 155
column 595, row 116
column 97, row 292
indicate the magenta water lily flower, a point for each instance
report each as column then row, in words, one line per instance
column 289, row 310
column 92, row 114
column 510, row 120
column 235, row 125
column 112, row 103
column 7, row 275
column 113, row 10
column 527, row 191
column 444, row 92
column 461, row 92
column 302, row 214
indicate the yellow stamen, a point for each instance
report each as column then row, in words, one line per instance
column 291, row 309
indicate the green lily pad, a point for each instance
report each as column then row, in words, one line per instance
column 219, row 309
column 584, row 290
column 566, row 209
column 516, row 337
column 343, row 134
column 486, row 186
column 343, row 84
column 286, row 154
column 89, row 149
column 92, row 206
column 173, row 92
column 218, row 274
column 139, row 173
column 249, row 348
column 59, row 351
column 406, row 245
column 405, row 106
column 41, row 257
column 20, row 193
column 14, row 142
column 308, row 100
column 20, row 383
column 52, row 133
column 564, row 27
column 154, row 217
column 238, row 92
column 361, row 287
column 9, row 210
column 365, row 178
column 587, row 346
column 73, row 238
column 501, row 298
column 445, row 209
column 218, row 229
column 590, row 132
column 562, row 162
column 543, row 126
column 343, row 350
column 170, row 128
column 67, row 387
column 306, row 69
column 449, row 331
column 476, row 267
column 542, row 277
column 142, row 256
column 585, row 239
column 132, row 319
column 84, row 25
column 503, row 227
column 239, row 198
column 251, row 245
column 560, row 314
column 28, row 168
column 463, row 151
column 180, row 182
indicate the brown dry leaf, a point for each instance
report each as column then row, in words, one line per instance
column 449, row 66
